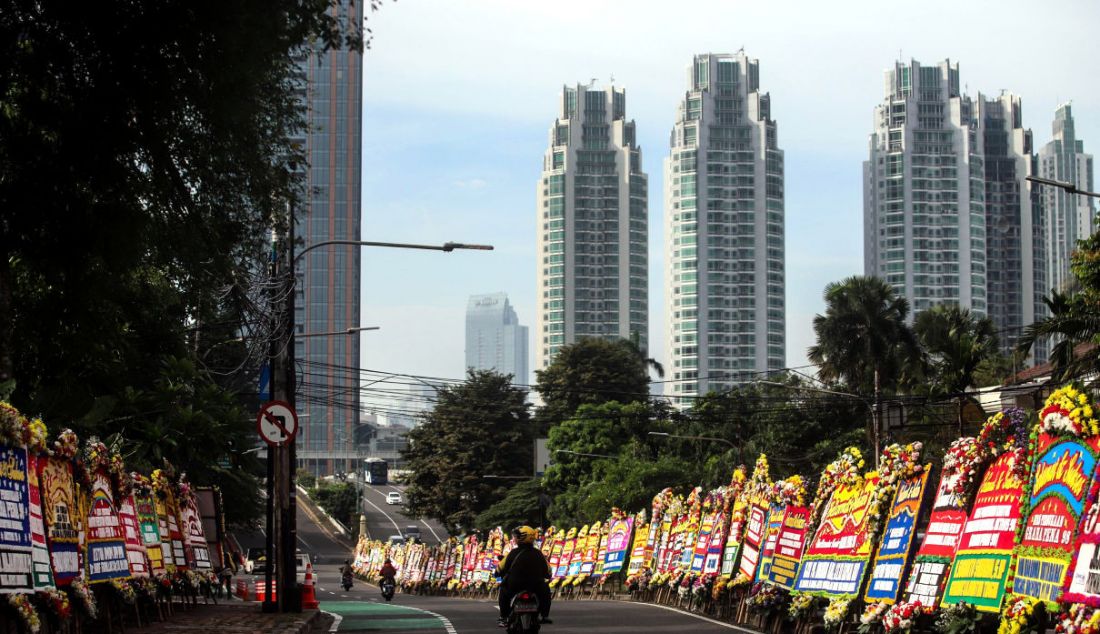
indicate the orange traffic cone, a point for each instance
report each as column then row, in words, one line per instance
column 309, row 597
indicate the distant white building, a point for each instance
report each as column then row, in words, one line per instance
column 1069, row 217
column 495, row 340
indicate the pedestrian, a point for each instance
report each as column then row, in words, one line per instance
column 225, row 575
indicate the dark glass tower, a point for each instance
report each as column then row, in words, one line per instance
column 328, row 277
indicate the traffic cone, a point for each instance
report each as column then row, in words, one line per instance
column 309, row 597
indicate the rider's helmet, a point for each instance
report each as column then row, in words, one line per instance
column 524, row 535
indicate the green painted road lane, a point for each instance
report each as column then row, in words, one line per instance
column 364, row 616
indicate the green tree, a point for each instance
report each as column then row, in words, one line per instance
column 590, row 371
column 518, row 505
column 338, row 500
column 145, row 154
column 477, row 428
column 955, row 342
column 1074, row 317
column 863, row 335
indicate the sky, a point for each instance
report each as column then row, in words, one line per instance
column 459, row 98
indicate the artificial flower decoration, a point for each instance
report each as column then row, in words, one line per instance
column 1078, row 619
column 1018, row 615
column 84, row 597
column 836, row 612
column 26, row 612
column 872, row 614
column 960, row 618
column 790, row 492
column 802, row 604
column 902, row 616
column 57, row 602
column 67, row 444
column 1067, row 411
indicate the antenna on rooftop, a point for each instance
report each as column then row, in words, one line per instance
column 592, row 83
column 612, row 78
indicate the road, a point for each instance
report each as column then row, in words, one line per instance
column 384, row 519
column 362, row 609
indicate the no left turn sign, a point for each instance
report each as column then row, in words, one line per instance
column 277, row 422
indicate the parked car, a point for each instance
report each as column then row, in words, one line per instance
column 303, row 561
column 393, row 497
column 260, row 567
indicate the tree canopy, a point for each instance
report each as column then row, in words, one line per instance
column 477, row 428
column 146, row 153
column 589, row 372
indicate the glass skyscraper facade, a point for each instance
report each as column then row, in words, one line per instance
column 592, row 215
column 495, row 340
column 328, row 282
column 724, row 220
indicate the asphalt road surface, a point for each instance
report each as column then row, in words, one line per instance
column 384, row 519
column 362, row 608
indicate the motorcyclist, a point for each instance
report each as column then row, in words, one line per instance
column 525, row 568
column 387, row 572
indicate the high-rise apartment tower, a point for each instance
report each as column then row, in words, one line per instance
column 592, row 214
column 724, row 219
column 1069, row 217
column 949, row 217
column 495, row 340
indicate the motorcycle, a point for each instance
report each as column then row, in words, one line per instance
column 524, row 618
column 345, row 581
column 388, row 587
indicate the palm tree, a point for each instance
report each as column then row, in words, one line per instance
column 862, row 334
column 954, row 341
column 1074, row 317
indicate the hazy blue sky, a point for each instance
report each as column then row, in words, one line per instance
column 459, row 98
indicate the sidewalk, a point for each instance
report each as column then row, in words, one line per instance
column 238, row 618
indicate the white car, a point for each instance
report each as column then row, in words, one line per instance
column 393, row 497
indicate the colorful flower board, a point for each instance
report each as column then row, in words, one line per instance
column 836, row 560
column 618, row 544
column 732, row 547
column 638, row 559
column 62, row 515
column 1062, row 473
column 896, row 545
column 771, row 535
column 756, row 526
column 198, row 552
column 106, row 552
column 1083, row 583
column 150, row 531
column 715, row 541
column 135, row 549
column 984, row 554
column 702, row 540
column 933, row 561
column 43, row 576
column 16, row 546
column 789, row 545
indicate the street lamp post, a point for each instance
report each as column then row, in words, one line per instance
column 587, row 455
column 1069, row 187
column 281, row 459
column 740, row 458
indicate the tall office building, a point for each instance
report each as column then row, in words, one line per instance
column 1069, row 217
column 724, row 219
column 948, row 215
column 328, row 277
column 592, row 225
column 495, row 340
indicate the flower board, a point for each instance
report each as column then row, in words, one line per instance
column 135, row 549
column 106, row 543
column 933, row 561
column 892, row 557
column 702, row 540
column 836, row 559
column 40, row 552
column 1083, row 583
column 980, row 569
column 618, row 543
column 788, row 546
column 62, row 515
column 638, row 551
column 715, row 542
column 756, row 525
column 16, row 557
column 195, row 546
column 591, row 549
column 771, row 534
column 150, row 532
column 734, row 537
column 1060, row 480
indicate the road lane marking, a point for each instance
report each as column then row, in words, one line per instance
column 383, row 513
column 336, row 619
